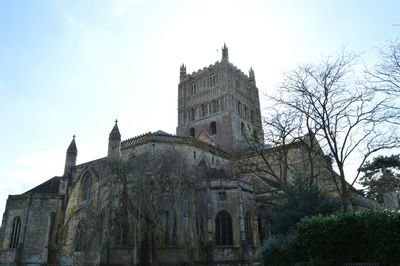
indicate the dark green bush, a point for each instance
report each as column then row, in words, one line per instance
column 302, row 200
column 282, row 250
column 371, row 236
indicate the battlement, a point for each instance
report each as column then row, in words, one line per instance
column 211, row 67
column 169, row 138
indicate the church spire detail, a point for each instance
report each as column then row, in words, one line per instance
column 182, row 73
column 70, row 159
column 225, row 56
column 114, row 134
column 252, row 77
column 114, row 142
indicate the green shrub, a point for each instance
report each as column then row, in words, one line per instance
column 302, row 200
column 282, row 250
column 372, row 236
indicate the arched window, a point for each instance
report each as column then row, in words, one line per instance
column 212, row 80
column 194, row 88
column 203, row 110
column 192, row 114
column 15, row 232
column 214, row 106
column 86, row 187
column 203, row 165
column 223, row 229
column 213, row 128
column 222, row 103
column 242, row 129
column 80, row 236
column 192, row 132
column 248, row 229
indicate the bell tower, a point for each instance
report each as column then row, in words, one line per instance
column 221, row 101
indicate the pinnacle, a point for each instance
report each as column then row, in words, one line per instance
column 114, row 134
column 72, row 147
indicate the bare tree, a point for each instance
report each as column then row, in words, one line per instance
column 387, row 72
column 348, row 115
column 156, row 190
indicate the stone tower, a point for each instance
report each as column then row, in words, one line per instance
column 221, row 101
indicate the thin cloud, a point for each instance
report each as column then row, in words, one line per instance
column 123, row 7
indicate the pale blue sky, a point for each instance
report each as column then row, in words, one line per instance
column 73, row 67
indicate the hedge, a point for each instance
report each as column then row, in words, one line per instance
column 364, row 237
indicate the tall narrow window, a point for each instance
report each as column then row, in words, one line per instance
column 80, row 237
column 252, row 116
column 86, row 183
column 213, row 128
column 15, row 232
column 223, row 229
column 242, row 129
column 212, row 80
column 248, row 229
column 194, row 88
column 222, row 103
column 237, row 82
column 214, row 106
column 245, row 111
column 192, row 114
column 192, row 132
column 203, row 110
column 239, row 107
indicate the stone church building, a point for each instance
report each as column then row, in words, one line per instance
column 193, row 198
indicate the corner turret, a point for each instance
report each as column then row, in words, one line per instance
column 70, row 160
column 225, row 56
column 114, row 142
column 182, row 74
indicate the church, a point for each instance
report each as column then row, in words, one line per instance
column 196, row 197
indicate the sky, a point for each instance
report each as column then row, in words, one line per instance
column 72, row 67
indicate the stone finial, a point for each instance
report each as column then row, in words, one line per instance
column 114, row 134
column 182, row 74
column 72, row 146
column 225, row 56
column 70, row 159
column 252, row 77
column 114, row 142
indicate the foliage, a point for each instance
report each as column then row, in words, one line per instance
column 282, row 250
column 381, row 175
column 302, row 200
column 371, row 236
